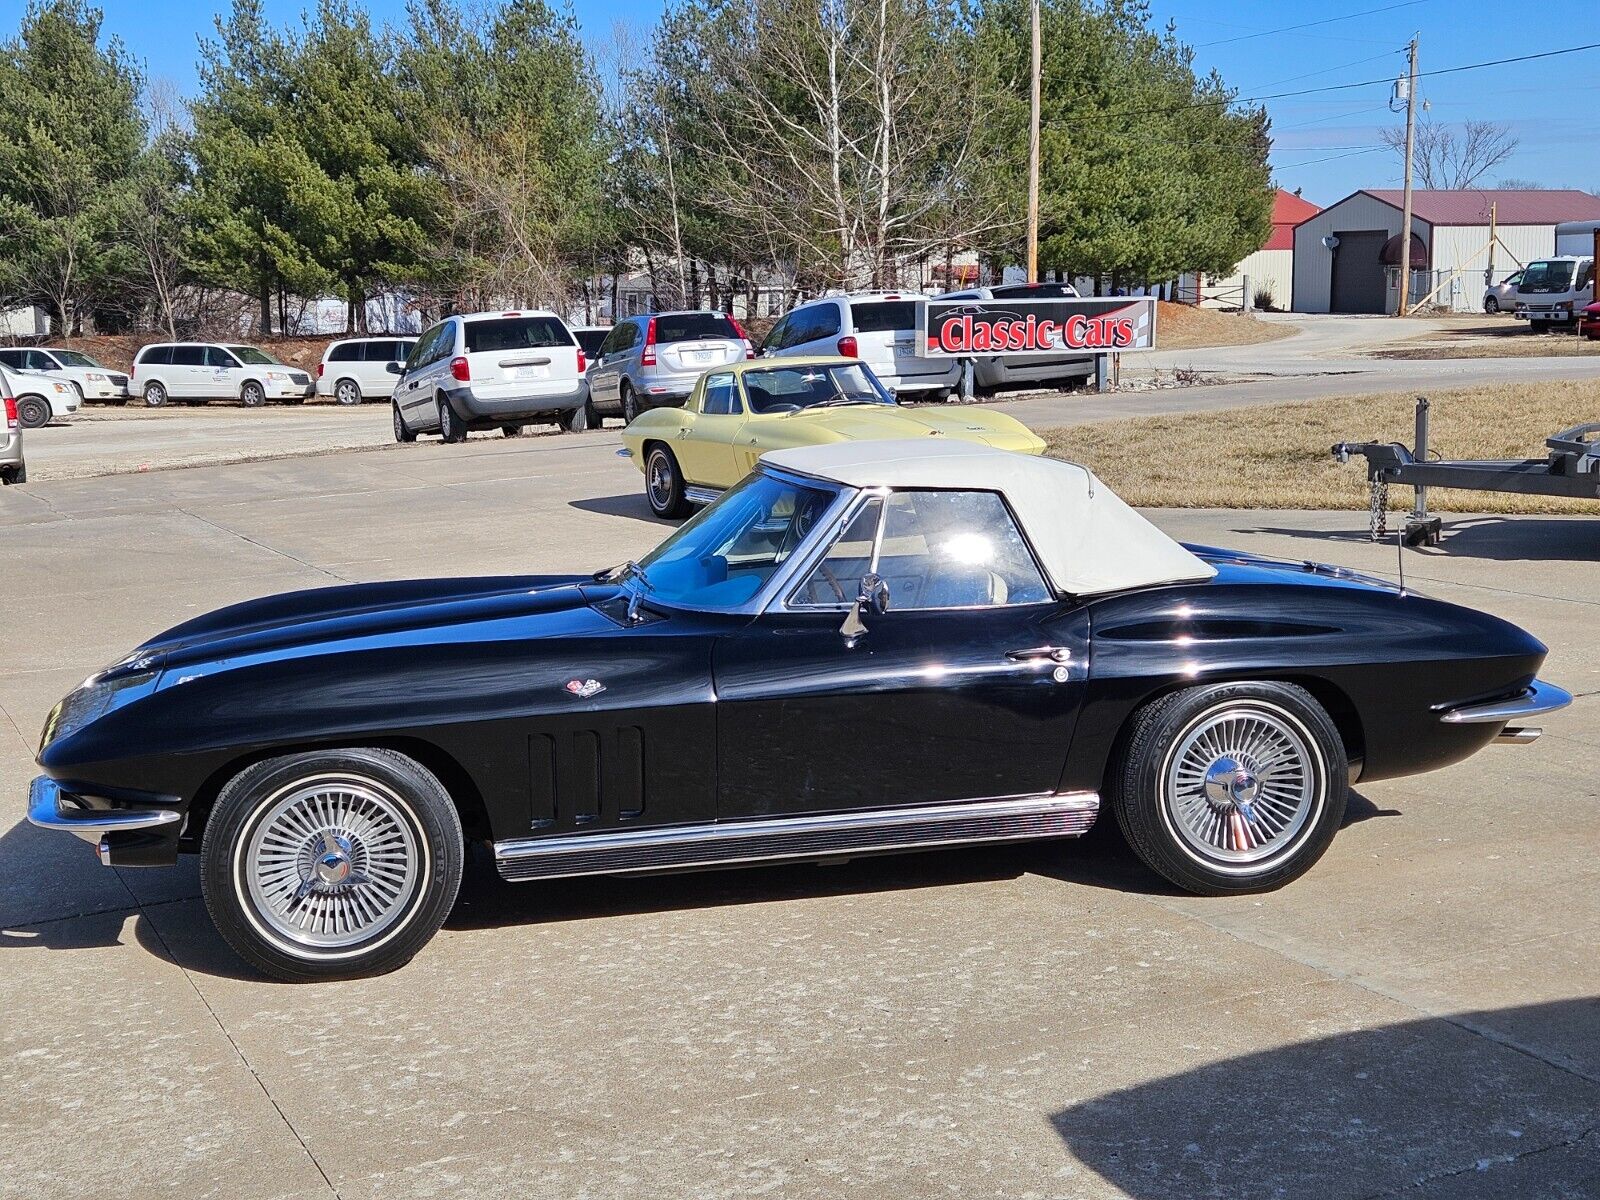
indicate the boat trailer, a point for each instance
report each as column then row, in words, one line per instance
column 1571, row 470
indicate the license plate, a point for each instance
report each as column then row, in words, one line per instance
column 702, row 356
column 532, row 373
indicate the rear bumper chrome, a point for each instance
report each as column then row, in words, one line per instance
column 1538, row 697
column 51, row 808
column 1017, row 818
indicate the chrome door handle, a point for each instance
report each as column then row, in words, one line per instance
column 1055, row 654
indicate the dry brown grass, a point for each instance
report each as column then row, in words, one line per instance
column 1484, row 336
column 1185, row 327
column 1278, row 456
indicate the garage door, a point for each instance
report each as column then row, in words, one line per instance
column 1358, row 271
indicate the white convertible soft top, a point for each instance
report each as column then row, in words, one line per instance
column 1088, row 540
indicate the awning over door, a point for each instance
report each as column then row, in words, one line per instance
column 1389, row 256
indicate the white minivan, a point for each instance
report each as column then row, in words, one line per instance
column 491, row 370
column 880, row 328
column 357, row 369
column 201, row 371
column 91, row 380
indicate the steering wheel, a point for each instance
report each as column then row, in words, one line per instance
column 833, row 582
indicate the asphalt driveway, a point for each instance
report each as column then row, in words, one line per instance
column 1418, row 1016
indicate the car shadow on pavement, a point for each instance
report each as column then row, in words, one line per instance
column 1472, row 1106
column 1507, row 538
column 631, row 504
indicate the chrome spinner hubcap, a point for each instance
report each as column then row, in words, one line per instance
column 660, row 480
column 1241, row 784
column 332, row 862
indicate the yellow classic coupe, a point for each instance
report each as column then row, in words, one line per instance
column 736, row 414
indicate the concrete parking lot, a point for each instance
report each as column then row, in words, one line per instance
column 1419, row 1016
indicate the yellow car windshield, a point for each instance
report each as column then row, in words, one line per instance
column 789, row 389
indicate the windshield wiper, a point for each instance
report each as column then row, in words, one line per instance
column 629, row 572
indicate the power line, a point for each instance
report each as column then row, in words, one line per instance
column 1330, row 70
column 1245, row 37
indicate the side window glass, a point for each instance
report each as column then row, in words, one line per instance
column 827, row 323
column 216, row 356
column 188, row 356
column 631, row 336
column 776, row 334
column 39, row 361
column 609, row 346
column 837, row 578
column 955, row 550
column 419, row 349
column 719, row 397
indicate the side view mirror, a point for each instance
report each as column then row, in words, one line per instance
column 394, row 368
column 873, row 598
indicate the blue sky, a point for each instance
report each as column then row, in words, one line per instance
column 1325, row 143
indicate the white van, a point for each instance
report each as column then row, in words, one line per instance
column 880, row 328
column 91, row 380
column 201, row 371
column 357, row 369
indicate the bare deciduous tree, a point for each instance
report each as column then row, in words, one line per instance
column 1451, row 157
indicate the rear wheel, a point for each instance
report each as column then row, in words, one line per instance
column 451, row 427
column 33, row 412
column 252, row 395
column 348, row 391
column 663, row 484
column 630, row 403
column 18, row 474
column 511, row 430
column 402, row 431
column 155, row 395
column 581, row 418
column 1236, row 787
column 331, row 864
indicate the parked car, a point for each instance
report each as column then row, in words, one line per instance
column 1502, row 297
column 879, row 328
column 863, row 647
column 93, row 381
column 590, row 339
column 41, row 398
column 13, row 467
column 200, row 371
column 1001, row 370
column 654, row 359
column 1590, row 324
column 738, row 413
column 357, row 369
column 491, row 370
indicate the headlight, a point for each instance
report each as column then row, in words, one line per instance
column 277, row 375
column 90, row 702
column 92, row 377
column 60, row 387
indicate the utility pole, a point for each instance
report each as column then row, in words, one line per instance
column 1411, row 141
column 1033, row 157
column 1488, row 274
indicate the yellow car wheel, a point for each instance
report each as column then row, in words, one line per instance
column 663, row 484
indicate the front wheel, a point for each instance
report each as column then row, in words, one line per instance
column 1236, row 787
column 663, row 484
column 1491, row 305
column 402, row 431
column 33, row 412
column 331, row 864
column 253, row 395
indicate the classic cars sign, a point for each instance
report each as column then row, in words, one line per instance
column 1089, row 325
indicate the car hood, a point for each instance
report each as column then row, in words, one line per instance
column 352, row 612
column 859, row 422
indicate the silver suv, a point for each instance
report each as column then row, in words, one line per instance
column 495, row 370
column 12, row 467
column 998, row 370
column 653, row 360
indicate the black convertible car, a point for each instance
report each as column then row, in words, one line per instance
column 864, row 647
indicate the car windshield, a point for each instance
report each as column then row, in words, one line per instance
column 688, row 327
column 254, row 357
column 72, row 358
column 1546, row 277
column 726, row 554
column 789, row 389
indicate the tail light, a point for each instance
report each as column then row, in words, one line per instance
column 11, row 412
column 461, row 369
column 583, row 361
column 847, row 347
column 648, row 357
column 749, row 349
column 320, row 366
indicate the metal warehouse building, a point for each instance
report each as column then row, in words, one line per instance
column 1347, row 257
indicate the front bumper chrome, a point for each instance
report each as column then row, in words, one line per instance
column 1538, row 697
column 51, row 808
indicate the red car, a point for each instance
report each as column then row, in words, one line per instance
column 1589, row 323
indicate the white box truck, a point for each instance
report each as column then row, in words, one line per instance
column 1556, row 290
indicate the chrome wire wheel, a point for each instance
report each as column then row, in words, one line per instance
column 1241, row 784
column 659, row 480
column 333, row 861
